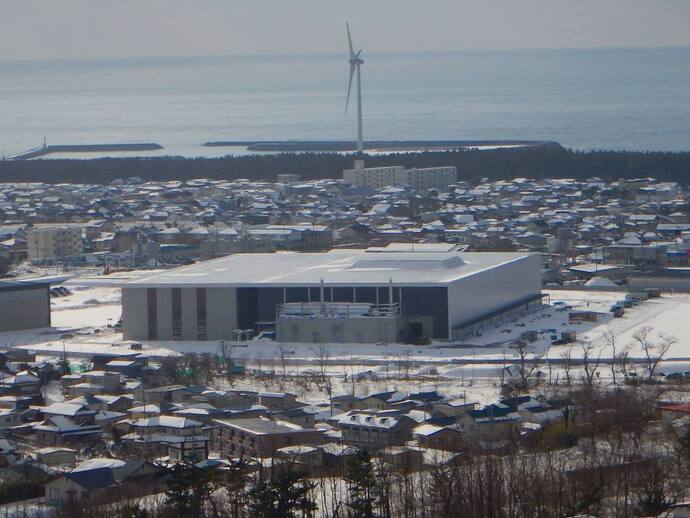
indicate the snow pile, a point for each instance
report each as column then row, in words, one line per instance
column 600, row 282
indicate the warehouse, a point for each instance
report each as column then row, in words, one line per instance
column 387, row 294
column 24, row 305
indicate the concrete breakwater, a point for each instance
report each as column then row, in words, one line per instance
column 378, row 145
column 85, row 148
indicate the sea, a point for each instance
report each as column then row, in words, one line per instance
column 614, row 99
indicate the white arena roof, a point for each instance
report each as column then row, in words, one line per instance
column 336, row 267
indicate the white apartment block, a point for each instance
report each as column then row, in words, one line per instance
column 54, row 242
column 419, row 179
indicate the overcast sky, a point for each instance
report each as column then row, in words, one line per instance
column 49, row 29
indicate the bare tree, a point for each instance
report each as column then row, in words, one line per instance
column 407, row 365
column 283, row 359
column 622, row 361
column 504, row 368
column 590, row 364
column 611, row 342
column 654, row 351
column 323, row 360
column 259, row 362
column 527, row 364
column 567, row 356
column 548, row 365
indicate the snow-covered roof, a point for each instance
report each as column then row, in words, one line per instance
column 65, row 409
column 99, row 463
column 368, row 420
column 166, row 421
column 333, row 267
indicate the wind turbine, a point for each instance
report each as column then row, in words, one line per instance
column 355, row 63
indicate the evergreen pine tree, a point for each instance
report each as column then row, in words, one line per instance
column 361, row 485
column 188, row 489
column 282, row 496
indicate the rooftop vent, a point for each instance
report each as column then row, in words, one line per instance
column 408, row 262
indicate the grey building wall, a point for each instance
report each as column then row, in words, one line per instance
column 221, row 310
column 24, row 307
column 221, row 313
column 189, row 323
column 164, row 296
column 671, row 283
column 134, row 314
column 338, row 330
column 493, row 289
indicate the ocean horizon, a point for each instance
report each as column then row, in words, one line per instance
column 598, row 98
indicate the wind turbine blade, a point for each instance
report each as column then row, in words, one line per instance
column 349, row 40
column 349, row 86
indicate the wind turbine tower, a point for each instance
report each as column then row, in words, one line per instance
column 355, row 63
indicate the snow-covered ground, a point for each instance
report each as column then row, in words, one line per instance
column 81, row 314
column 472, row 371
column 88, row 311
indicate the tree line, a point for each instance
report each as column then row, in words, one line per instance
column 548, row 161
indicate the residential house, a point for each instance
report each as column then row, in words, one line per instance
column 181, row 438
column 448, row 438
column 492, row 426
column 105, row 480
column 375, row 431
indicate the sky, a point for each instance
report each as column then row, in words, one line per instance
column 86, row 29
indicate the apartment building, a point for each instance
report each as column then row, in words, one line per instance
column 419, row 179
column 48, row 243
column 261, row 436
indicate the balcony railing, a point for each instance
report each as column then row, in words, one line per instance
column 337, row 310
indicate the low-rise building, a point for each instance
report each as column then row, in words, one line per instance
column 183, row 439
column 25, row 305
column 105, row 480
column 56, row 456
column 490, row 426
column 277, row 400
column 448, row 438
column 262, row 436
column 24, row 382
column 375, row 431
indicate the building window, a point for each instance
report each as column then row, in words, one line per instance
column 177, row 313
column 152, row 305
column 201, row 314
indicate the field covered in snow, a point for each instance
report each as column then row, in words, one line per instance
column 469, row 370
column 87, row 313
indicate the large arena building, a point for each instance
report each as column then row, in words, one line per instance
column 24, row 305
column 398, row 293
